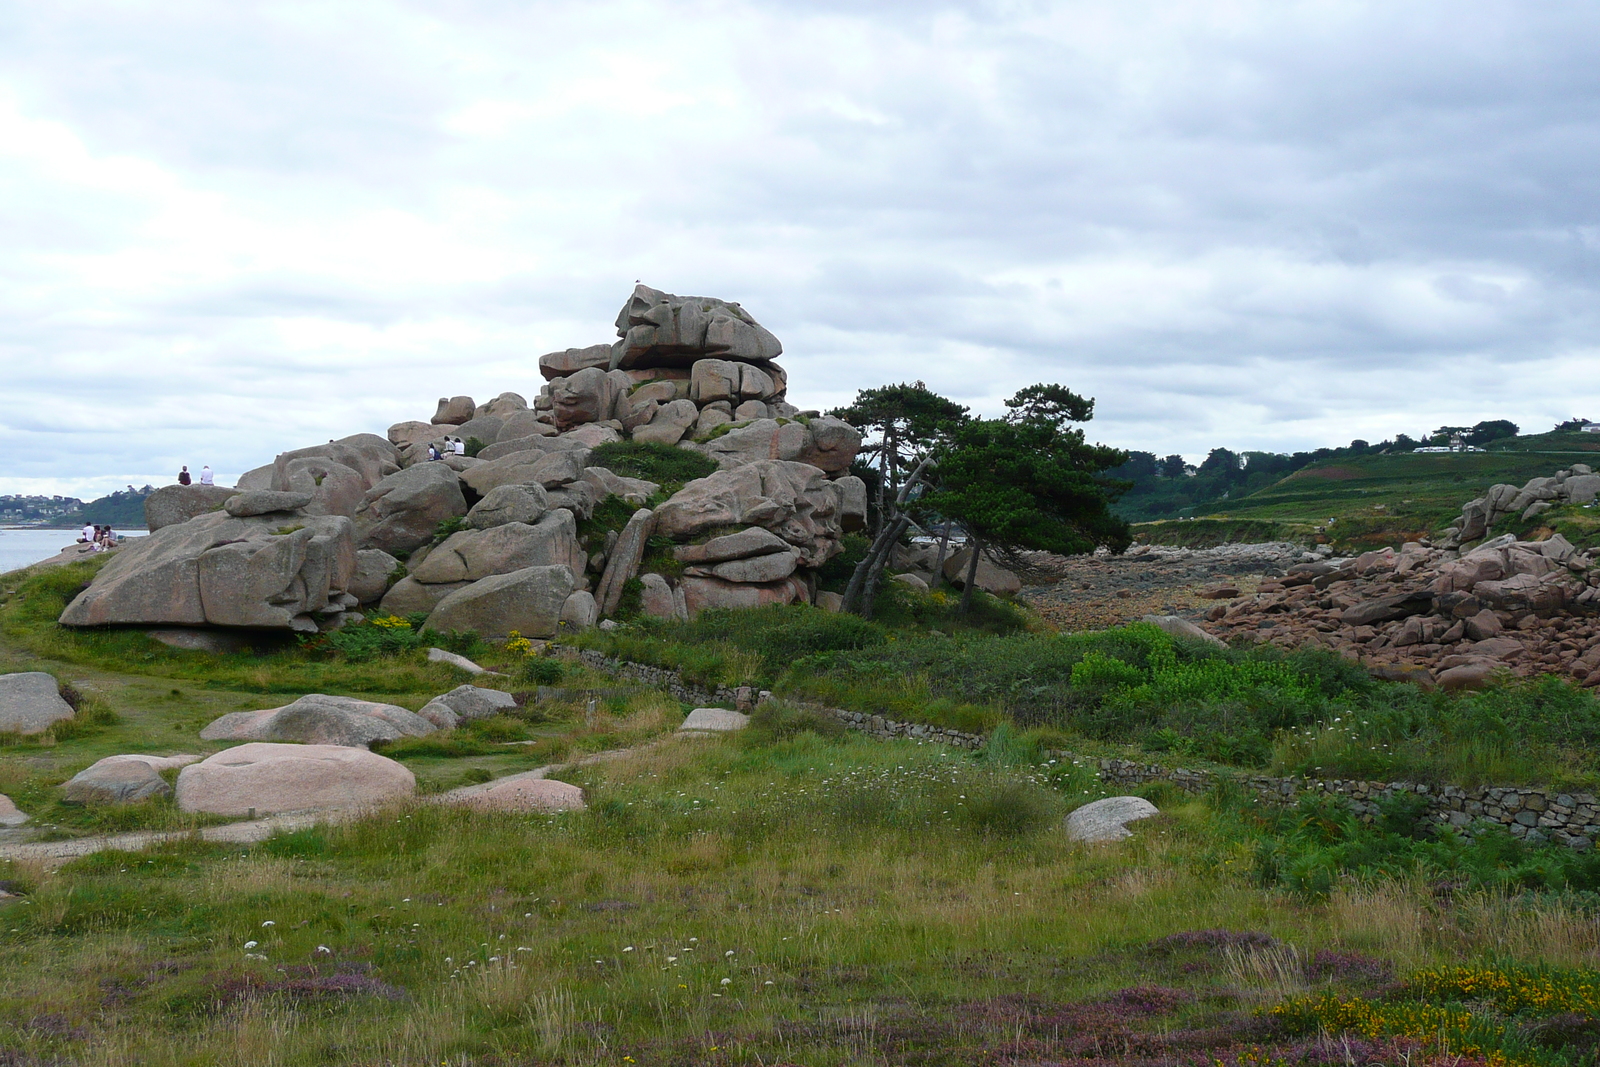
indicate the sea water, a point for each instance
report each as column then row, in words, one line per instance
column 18, row 548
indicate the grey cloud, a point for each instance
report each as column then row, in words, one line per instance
column 1280, row 227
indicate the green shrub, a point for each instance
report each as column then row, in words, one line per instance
column 835, row 574
column 1008, row 808
column 447, row 527
column 777, row 721
column 497, row 729
column 540, row 670
column 474, row 445
column 367, row 640
column 665, row 465
column 461, row 642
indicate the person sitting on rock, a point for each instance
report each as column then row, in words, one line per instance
column 86, row 535
column 206, row 477
column 460, row 447
column 433, row 452
column 183, row 476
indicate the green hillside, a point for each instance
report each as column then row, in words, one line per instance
column 1365, row 501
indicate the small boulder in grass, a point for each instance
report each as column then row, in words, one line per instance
column 714, row 720
column 519, row 794
column 31, row 702
column 1107, row 820
column 123, row 779
column 9, row 815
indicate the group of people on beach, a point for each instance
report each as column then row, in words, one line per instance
column 453, row 446
column 98, row 537
column 206, row 477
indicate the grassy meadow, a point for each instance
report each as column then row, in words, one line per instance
column 798, row 894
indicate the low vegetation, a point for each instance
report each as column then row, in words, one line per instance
column 788, row 897
column 1302, row 713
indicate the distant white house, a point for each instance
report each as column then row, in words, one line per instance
column 1591, row 427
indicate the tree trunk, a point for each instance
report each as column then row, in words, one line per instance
column 944, row 547
column 972, row 572
column 866, row 574
column 869, row 596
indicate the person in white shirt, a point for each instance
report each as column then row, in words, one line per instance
column 461, row 447
column 87, row 532
column 206, row 477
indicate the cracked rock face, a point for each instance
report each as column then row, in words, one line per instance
column 268, row 571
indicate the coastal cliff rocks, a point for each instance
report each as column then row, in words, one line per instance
column 1437, row 615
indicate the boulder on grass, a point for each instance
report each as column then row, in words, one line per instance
column 1107, row 820
column 714, row 721
column 318, row 719
column 9, row 815
column 465, row 703
column 216, row 569
column 30, row 703
column 409, row 596
column 266, row 778
column 518, row 794
column 123, row 779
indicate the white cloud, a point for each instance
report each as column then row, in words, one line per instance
column 230, row 230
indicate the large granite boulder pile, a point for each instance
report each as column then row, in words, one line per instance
column 1437, row 615
column 1578, row 484
column 490, row 541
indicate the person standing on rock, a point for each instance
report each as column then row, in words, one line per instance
column 206, row 477
column 183, row 476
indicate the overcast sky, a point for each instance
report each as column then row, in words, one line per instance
column 229, row 229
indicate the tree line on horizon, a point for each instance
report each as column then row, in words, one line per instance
column 1168, row 487
column 123, row 508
